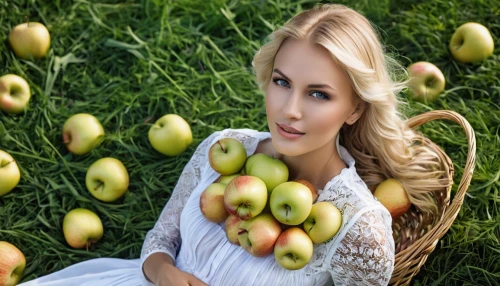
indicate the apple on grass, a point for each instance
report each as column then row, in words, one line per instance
column 30, row 40
column 15, row 94
column 170, row 135
column 82, row 227
column 291, row 203
column 270, row 170
column 471, row 42
column 323, row 222
column 293, row 249
column 82, row 132
column 9, row 173
column 12, row 264
column 426, row 81
column 227, row 156
column 232, row 227
column 107, row 179
column 392, row 195
column 259, row 234
column 245, row 197
column 212, row 203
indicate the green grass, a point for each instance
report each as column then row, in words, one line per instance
column 130, row 62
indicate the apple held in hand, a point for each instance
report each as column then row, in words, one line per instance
column 82, row 227
column 245, row 197
column 15, row 94
column 323, row 222
column 107, row 179
column 392, row 195
column 82, row 132
column 270, row 170
column 471, row 42
column 426, row 81
column 259, row 234
column 291, row 203
column 227, row 156
column 170, row 135
column 12, row 264
column 232, row 228
column 293, row 249
column 212, row 203
column 9, row 173
column 30, row 40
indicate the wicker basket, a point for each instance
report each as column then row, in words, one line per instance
column 416, row 235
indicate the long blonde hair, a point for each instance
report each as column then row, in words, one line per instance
column 380, row 141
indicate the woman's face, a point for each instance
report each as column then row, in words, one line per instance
column 309, row 92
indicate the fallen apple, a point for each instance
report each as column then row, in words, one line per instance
column 426, row 81
column 82, row 132
column 30, row 40
column 15, row 94
column 259, row 234
column 12, row 264
column 270, row 170
column 232, row 227
column 107, row 179
column 392, row 195
column 293, row 249
column 170, row 135
column 9, row 173
column 323, row 222
column 82, row 227
column 227, row 156
column 471, row 42
column 291, row 203
column 245, row 197
column 212, row 203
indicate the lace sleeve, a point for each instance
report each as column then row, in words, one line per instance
column 165, row 235
column 365, row 255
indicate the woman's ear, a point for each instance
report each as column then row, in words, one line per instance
column 356, row 114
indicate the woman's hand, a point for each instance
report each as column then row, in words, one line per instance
column 160, row 270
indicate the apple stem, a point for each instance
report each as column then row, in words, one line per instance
column 27, row 20
column 88, row 244
column 4, row 163
column 99, row 185
column 287, row 209
column 223, row 150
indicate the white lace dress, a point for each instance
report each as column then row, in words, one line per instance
column 361, row 253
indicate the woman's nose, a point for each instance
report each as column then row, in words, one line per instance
column 292, row 107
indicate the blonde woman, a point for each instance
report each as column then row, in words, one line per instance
column 326, row 81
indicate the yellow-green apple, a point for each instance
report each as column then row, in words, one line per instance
column 82, row 227
column 30, row 40
column 245, row 196
column 170, row 135
column 107, row 179
column 212, row 203
column 232, row 226
column 291, row 203
column 426, row 81
column 227, row 156
column 271, row 170
column 293, row 249
column 310, row 186
column 82, row 132
column 392, row 195
column 15, row 94
column 226, row 179
column 471, row 42
column 259, row 234
column 323, row 222
column 12, row 264
column 9, row 173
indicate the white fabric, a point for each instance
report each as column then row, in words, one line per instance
column 361, row 253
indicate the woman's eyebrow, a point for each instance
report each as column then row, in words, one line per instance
column 309, row 86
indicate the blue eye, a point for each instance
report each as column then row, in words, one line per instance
column 281, row 82
column 319, row 95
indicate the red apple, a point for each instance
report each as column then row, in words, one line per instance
column 232, row 227
column 212, row 203
column 259, row 234
column 392, row 195
column 245, row 196
column 310, row 186
column 12, row 264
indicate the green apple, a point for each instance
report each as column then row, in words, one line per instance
column 259, row 234
column 82, row 132
column 245, row 197
column 471, row 42
column 107, row 179
column 170, row 135
column 9, row 173
column 293, row 249
column 227, row 156
column 291, row 203
column 12, row 264
column 82, row 227
column 271, row 170
column 212, row 203
column 30, row 40
column 226, row 179
column 323, row 222
column 232, row 227
column 15, row 94
column 392, row 195
column 426, row 81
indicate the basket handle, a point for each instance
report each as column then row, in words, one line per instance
column 452, row 211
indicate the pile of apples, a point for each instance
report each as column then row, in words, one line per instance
column 262, row 211
column 106, row 179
